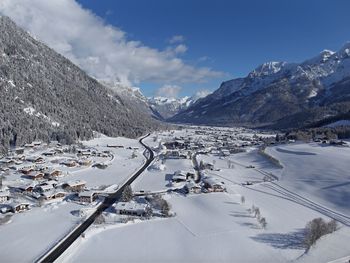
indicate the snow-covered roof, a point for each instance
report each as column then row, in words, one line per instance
column 87, row 193
column 131, row 206
column 211, row 181
column 75, row 183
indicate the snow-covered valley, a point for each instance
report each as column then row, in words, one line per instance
column 220, row 226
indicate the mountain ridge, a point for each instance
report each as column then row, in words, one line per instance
column 45, row 96
column 279, row 94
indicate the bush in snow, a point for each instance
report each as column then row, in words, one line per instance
column 127, row 194
column 100, row 220
column 242, row 199
column 263, row 222
column 256, row 212
column 318, row 228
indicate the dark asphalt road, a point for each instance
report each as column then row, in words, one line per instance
column 112, row 198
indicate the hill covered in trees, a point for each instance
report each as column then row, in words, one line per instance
column 45, row 96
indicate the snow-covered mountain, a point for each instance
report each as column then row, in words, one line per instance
column 279, row 94
column 168, row 107
column 45, row 96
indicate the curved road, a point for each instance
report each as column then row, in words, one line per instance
column 108, row 201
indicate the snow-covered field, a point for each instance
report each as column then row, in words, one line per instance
column 31, row 233
column 218, row 226
column 318, row 172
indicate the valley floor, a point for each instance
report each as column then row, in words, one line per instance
column 218, row 227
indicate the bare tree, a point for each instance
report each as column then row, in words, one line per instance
column 127, row 194
column 316, row 229
column 263, row 222
column 242, row 199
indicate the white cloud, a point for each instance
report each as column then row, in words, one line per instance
column 180, row 49
column 168, row 91
column 176, row 39
column 201, row 94
column 102, row 50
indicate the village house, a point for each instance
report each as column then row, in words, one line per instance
column 132, row 208
column 42, row 188
column 212, row 185
column 28, row 188
column 19, row 150
column 74, row 186
column 4, row 195
column 69, row 163
column 18, row 207
column 35, row 175
column 179, row 176
column 53, row 195
column 85, row 162
column 49, row 153
column 87, row 196
column 193, row 188
column 53, row 173
column 115, row 146
column 35, row 159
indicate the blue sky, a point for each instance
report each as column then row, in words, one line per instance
column 231, row 36
column 221, row 39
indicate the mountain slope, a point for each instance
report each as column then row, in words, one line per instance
column 168, row 107
column 279, row 94
column 44, row 95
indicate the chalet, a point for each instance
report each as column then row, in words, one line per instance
column 28, row 145
column 28, row 188
column 212, row 185
column 49, row 153
column 44, row 188
column 7, row 161
column 114, row 146
column 35, row 176
column 85, row 162
column 179, row 176
column 58, row 150
column 74, row 186
column 69, row 163
column 87, row 196
column 132, row 208
column 224, row 152
column 193, row 188
column 35, row 159
column 37, row 143
column 53, row 195
column 100, row 165
column 26, row 170
column 19, row 207
column 53, row 173
column 208, row 166
column 4, row 196
column 19, row 150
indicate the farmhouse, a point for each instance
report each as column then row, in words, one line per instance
column 212, row 185
column 28, row 188
column 53, row 173
column 87, row 196
column 49, row 153
column 26, row 170
column 44, row 188
column 69, row 163
column 19, row 207
column 132, row 208
column 4, row 196
column 179, row 176
column 193, row 188
column 74, row 186
column 35, row 175
column 19, row 150
column 53, row 195
column 35, row 159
